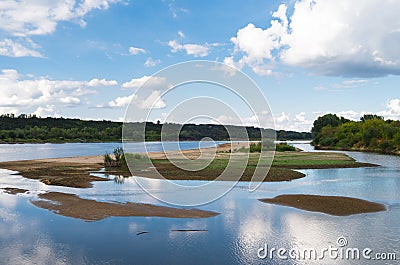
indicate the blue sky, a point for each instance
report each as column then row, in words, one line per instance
column 76, row 58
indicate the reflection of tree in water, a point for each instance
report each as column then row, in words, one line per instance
column 119, row 179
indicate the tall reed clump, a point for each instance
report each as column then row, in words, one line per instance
column 117, row 160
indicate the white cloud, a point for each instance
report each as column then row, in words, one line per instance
column 257, row 44
column 150, row 62
column 47, row 111
column 70, row 100
column 351, row 83
column 283, row 117
column 19, row 92
column 181, row 34
column 135, row 50
column 150, row 98
column 27, row 17
column 95, row 82
column 298, row 122
column 13, row 49
column 330, row 37
column 301, row 117
column 120, row 102
column 191, row 49
column 392, row 111
column 350, row 114
column 175, row 10
column 152, row 82
column 153, row 101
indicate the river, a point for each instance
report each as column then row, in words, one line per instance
column 30, row 235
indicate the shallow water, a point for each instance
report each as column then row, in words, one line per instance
column 14, row 152
column 32, row 235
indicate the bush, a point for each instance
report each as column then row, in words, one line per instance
column 255, row 147
column 117, row 161
column 108, row 161
column 283, row 147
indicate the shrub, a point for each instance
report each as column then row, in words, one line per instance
column 255, row 147
column 117, row 161
column 283, row 147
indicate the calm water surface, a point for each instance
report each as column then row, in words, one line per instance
column 29, row 235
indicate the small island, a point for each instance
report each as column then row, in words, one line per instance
column 75, row 171
column 90, row 210
column 332, row 205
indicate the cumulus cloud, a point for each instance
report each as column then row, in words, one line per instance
column 135, row 50
column 332, row 37
column 95, row 82
column 152, row 82
column 191, row 49
column 46, row 111
column 120, row 102
column 297, row 122
column 392, row 111
column 23, row 92
column 153, row 101
column 149, row 98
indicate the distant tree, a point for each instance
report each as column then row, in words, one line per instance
column 328, row 119
column 371, row 117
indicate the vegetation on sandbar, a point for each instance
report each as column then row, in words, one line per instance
column 282, row 168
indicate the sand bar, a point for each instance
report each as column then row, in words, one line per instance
column 333, row 205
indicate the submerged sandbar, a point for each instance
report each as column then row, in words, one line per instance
column 333, row 205
column 90, row 210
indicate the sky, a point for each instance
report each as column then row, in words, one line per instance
column 85, row 58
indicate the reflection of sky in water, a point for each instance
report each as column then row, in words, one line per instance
column 12, row 152
column 32, row 235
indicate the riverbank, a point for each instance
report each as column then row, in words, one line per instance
column 332, row 205
column 353, row 149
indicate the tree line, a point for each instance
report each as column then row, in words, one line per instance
column 372, row 133
column 32, row 129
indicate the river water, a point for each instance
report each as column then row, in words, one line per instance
column 30, row 235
